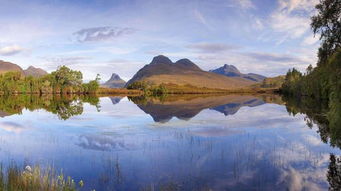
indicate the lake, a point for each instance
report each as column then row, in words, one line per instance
column 230, row 142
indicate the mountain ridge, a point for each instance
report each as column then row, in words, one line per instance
column 232, row 71
column 35, row 72
column 30, row 71
column 162, row 70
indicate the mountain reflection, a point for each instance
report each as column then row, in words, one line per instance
column 115, row 99
column 232, row 108
column 186, row 107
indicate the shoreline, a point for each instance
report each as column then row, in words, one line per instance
column 123, row 91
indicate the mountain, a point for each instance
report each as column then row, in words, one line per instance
column 35, row 72
column 9, row 67
column 30, row 71
column 232, row 71
column 114, row 82
column 184, row 72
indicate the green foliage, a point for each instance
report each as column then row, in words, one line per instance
column 138, row 85
column 327, row 23
column 149, row 90
column 61, row 81
column 322, row 82
column 92, row 86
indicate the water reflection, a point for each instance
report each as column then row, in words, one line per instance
column 115, row 99
column 103, row 142
column 334, row 172
column 64, row 106
column 234, row 142
column 186, row 107
column 327, row 120
column 327, row 117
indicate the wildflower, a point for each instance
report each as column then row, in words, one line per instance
column 28, row 169
column 81, row 183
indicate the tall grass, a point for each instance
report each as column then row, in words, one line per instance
column 117, row 91
column 34, row 178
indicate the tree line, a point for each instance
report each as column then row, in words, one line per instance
column 62, row 81
column 323, row 81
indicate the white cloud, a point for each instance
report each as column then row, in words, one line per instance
column 293, row 26
column 102, row 33
column 292, row 18
column 245, row 4
column 310, row 40
column 293, row 5
column 200, row 18
column 211, row 47
column 10, row 50
column 258, row 24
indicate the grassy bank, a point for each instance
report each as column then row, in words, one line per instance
column 184, row 90
column 117, row 91
column 35, row 178
column 166, row 89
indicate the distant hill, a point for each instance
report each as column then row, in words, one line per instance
column 114, row 82
column 30, row 71
column 35, row 72
column 9, row 67
column 184, row 72
column 232, row 71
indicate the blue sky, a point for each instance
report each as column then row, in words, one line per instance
column 121, row 36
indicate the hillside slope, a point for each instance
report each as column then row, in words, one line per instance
column 185, row 72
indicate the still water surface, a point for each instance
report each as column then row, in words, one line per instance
column 235, row 142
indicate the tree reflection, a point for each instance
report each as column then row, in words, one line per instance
column 327, row 117
column 318, row 112
column 334, row 173
column 64, row 106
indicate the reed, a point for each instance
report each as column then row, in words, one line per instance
column 117, row 91
column 34, row 178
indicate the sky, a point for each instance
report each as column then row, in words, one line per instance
column 120, row 36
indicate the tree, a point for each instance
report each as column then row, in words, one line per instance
column 67, row 77
column 327, row 23
column 309, row 69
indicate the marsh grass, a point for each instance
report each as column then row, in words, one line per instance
column 15, row 178
column 117, row 91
